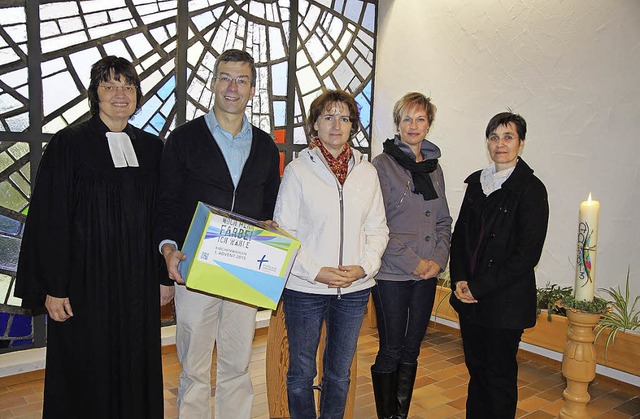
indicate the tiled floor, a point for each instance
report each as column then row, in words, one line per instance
column 440, row 390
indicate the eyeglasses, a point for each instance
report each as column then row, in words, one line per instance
column 112, row 89
column 241, row 81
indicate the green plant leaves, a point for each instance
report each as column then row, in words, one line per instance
column 621, row 316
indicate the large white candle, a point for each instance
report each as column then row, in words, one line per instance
column 587, row 246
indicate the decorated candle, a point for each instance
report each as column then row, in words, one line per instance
column 587, row 242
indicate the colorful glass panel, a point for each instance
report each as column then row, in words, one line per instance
column 334, row 47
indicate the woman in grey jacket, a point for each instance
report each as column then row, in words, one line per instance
column 419, row 235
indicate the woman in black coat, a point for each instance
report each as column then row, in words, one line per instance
column 496, row 244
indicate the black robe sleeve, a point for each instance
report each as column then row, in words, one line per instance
column 44, row 263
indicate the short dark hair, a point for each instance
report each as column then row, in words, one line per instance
column 237, row 56
column 411, row 100
column 112, row 68
column 504, row 118
column 325, row 101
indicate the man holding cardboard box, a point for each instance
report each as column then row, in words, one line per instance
column 222, row 160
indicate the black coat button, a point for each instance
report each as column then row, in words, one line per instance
column 427, row 213
column 427, row 238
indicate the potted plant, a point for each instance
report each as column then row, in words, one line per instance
column 596, row 306
column 622, row 316
column 550, row 331
column 548, row 298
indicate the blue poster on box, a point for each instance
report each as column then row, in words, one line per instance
column 237, row 257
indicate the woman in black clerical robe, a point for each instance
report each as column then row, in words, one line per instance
column 87, row 257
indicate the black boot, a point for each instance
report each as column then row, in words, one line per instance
column 406, row 379
column 384, row 391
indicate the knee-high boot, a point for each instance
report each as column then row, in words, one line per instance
column 406, row 379
column 384, row 391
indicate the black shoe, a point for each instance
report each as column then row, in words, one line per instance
column 406, row 379
column 384, row 391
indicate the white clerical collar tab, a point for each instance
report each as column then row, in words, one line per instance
column 121, row 149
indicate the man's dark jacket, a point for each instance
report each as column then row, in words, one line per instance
column 193, row 169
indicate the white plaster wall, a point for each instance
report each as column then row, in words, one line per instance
column 571, row 68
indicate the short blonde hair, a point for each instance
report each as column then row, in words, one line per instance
column 411, row 100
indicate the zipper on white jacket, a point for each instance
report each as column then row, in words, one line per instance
column 341, row 199
column 341, row 233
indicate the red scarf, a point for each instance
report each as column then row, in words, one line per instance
column 339, row 165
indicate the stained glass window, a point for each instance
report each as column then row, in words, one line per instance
column 47, row 48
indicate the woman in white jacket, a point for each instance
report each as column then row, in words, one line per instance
column 330, row 200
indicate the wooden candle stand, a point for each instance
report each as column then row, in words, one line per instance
column 578, row 363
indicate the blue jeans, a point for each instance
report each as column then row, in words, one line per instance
column 304, row 314
column 403, row 309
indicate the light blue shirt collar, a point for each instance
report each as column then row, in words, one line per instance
column 234, row 149
column 213, row 125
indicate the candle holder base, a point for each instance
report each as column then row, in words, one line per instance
column 578, row 364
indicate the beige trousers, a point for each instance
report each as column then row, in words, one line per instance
column 203, row 321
